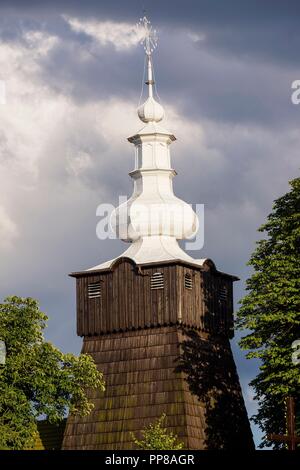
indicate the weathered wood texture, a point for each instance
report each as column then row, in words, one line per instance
column 140, row 336
column 140, row 386
column 142, row 383
column 127, row 300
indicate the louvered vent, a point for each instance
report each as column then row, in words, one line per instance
column 223, row 294
column 157, row 281
column 188, row 281
column 94, row 290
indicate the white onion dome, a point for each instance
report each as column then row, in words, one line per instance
column 151, row 111
column 151, row 215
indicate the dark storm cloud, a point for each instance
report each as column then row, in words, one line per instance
column 202, row 85
column 266, row 30
column 241, row 70
column 221, row 87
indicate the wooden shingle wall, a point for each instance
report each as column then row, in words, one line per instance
column 203, row 402
column 141, row 385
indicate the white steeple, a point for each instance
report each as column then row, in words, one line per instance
column 153, row 219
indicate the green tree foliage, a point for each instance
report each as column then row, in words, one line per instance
column 270, row 312
column 37, row 379
column 156, row 437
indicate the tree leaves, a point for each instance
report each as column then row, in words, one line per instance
column 38, row 379
column 156, row 437
column 270, row 312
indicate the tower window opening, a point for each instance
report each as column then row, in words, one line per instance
column 223, row 294
column 157, row 281
column 188, row 281
column 94, row 290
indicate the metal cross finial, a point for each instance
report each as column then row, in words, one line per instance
column 149, row 38
column 149, row 41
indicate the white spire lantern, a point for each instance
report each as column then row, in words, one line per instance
column 153, row 219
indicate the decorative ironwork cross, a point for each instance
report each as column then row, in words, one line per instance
column 290, row 438
column 149, row 35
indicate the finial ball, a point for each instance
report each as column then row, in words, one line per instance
column 151, row 111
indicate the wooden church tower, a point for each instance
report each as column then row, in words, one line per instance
column 156, row 321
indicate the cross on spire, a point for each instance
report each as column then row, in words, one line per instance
column 149, row 35
column 149, row 40
column 290, row 438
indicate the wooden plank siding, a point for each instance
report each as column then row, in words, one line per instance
column 127, row 301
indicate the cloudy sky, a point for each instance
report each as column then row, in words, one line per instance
column 72, row 74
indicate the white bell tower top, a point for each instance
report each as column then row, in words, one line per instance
column 153, row 219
